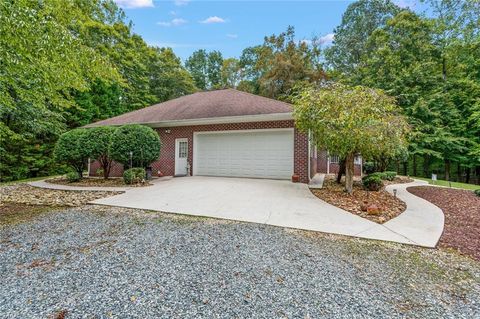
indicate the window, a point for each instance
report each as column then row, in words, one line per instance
column 334, row 159
column 182, row 149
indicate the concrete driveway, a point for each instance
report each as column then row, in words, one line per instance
column 273, row 202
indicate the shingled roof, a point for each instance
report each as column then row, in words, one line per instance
column 202, row 105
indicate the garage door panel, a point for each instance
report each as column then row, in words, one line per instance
column 267, row 154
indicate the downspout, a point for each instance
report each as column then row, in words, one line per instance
column 328, row 162
column 309, row 154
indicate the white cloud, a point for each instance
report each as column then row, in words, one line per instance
column 135, row 3
column 326, row 39
column 175, row 22
column 181, row 2
column 213, row 19
column 173, row 13
column 232, row 36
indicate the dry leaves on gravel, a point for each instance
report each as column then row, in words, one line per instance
column 96, row 182
column 29, row 195
column 334, row 194
column 462, row 217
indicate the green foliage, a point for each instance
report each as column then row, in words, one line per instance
column 477, row 192
column 390, row 175
column 368, row 167
column 72, row 177
column 142, row 142
column 372, row 182
column 134, row 175
column 205, row 68
column 98, row 148
column 72, row 149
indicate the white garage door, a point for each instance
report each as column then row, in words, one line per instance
column 260, row 154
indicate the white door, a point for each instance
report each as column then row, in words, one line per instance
column 181, row 156
column 256, row 153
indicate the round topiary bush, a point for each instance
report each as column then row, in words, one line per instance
column 372, row 182
column 72, row 149
column 134, row 175
column 72, row 177
column 136, row 143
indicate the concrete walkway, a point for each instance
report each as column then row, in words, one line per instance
column 282, row 203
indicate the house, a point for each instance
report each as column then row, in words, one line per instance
column 227, row 133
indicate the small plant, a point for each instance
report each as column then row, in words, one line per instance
column 72, row 177
column 368, row 167
column 390, row 175
column 372, row 182
column 134, row 175
column 380, row 175
column 477, row 192
column 99, row 172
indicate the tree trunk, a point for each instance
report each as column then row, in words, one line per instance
column 341, row 170
column 106, row 164
column 414, row 165
column 426, row 166
column 405, row 168
column 459, row 173
column 349, row 171
column 477, row 172
column 447, row 170
column 467, row 175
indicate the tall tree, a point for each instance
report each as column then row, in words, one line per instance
column 205, row 68
column 358, row 22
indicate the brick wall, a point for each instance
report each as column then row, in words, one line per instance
column 322, row 163
column 166, row 161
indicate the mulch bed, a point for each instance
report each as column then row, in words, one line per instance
column 96, row 182
column 333, row 193
column 462, row 217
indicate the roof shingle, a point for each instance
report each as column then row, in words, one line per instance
column 201, row 105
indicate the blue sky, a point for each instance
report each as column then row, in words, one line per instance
column 230, row 26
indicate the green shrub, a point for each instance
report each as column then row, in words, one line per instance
column 100, row 172
column 98, row 148
column 368, row 167
column 72, row 149
column 142, row 141
column 380, row 175
column 390, row 175
column 372, row 182
column 72, row 177
column 477, row 192
column 134, row 175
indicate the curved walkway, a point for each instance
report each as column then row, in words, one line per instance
column 278, row 203
column 44, row 184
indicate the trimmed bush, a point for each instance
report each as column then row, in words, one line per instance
column 368, row 167
column 98, row 148
column 390, row 175
column 372, row 182
column 477, row 192
column 142, row 141
column 380, row 175
column 134, row 175
column 72, row 177
column 72, row 149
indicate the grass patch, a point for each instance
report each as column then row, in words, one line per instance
column 448, row 184
column 14, row 213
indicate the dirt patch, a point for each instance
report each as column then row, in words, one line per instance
column 13, row 213
column 462, row 217
column 96, row 182
column 388, row 205
column 29, row 195
column 399, row 180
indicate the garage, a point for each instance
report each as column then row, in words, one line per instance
column 253, row 153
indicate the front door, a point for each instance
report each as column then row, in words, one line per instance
column 181, row 156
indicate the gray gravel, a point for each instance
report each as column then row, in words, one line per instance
column 100, row 262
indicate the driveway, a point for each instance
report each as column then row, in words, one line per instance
column 272, row 202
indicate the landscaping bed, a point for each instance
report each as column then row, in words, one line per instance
column 389, row 206
column 96, row 182
column 462, row 217
column 29, row 195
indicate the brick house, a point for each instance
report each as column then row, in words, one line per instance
column 227, row 133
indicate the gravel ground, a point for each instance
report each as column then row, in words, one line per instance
column 101, row 262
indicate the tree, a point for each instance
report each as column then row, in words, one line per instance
column 231, row 73
column 205, row 68
column 72, row 149
column 350, row 121
column 358, row 22
column 99, row 146
column 135, row 145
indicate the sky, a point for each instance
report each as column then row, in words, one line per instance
column 231, row 26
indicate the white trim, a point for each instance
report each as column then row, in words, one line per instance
column 328, row 162
column 222, row 120
column 195, row 134
column 309, row 154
